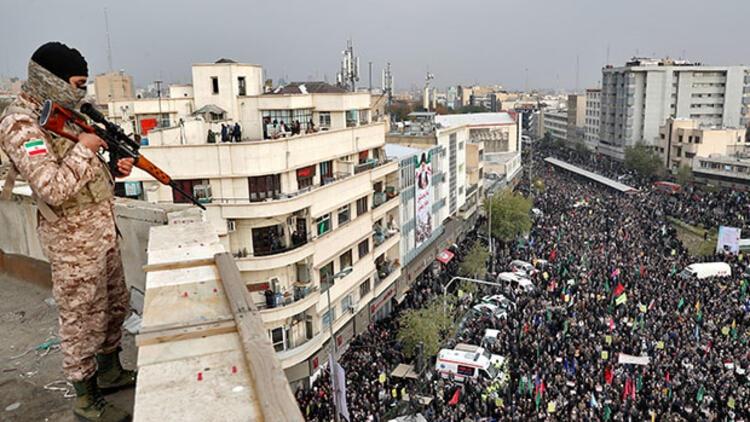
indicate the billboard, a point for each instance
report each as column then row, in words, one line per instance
column 729, row 240
column 423, row 197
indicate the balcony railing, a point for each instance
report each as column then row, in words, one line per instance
column 384, row 269
column 380, row 234
column 380, row 198
column 295, row 243
column 290, row 297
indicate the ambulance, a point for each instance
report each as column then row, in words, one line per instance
column 468, row 361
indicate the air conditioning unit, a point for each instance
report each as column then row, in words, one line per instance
column 231, row 226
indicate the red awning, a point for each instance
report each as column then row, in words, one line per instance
column 445, row 256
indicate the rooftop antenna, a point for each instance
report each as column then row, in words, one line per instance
column 109, row 43
column 370, row 88
column 607, row 54
column 349, row 73
column 387, row 84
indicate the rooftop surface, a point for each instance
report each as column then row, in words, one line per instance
column 475, row 119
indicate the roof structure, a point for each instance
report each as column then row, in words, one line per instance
column 210, row 108
column 475, row 119
column 223, row 60
column 400, row 151
column 309, row 88
column 593, row 176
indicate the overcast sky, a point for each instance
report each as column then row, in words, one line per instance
column 460, row 42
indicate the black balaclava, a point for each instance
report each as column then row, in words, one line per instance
column 50, row 69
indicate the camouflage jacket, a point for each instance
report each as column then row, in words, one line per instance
column 65, row 175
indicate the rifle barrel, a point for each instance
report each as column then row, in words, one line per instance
column 174, row 186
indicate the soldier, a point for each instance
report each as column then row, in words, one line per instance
column 74, row 193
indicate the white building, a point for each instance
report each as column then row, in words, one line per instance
column 423, row 133
column 295, row 208
column 593, row 108
column 555, row 122
column 639, row 97
column 500, row 132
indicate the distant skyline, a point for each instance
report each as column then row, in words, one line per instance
column 465, row 42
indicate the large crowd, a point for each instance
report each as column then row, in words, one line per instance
column 611, row 286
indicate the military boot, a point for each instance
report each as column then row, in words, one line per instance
column 90, row 405
column 111, row 375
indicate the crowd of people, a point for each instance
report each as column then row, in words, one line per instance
column 612, row 330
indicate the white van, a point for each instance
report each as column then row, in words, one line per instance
column 707, row 269
column 516, row 282
column 468, row 361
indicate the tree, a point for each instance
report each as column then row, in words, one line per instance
column 475, row 262
column 427, row 325
column 684, row 175
column 643, row 160
column 510, row 215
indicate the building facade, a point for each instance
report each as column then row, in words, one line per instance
column 113, row 86
column 576, row 118
column 591, row 121
column 639, row 97
column 555, row 122
column 732, row 172
column 682, row 140
column 307, row 202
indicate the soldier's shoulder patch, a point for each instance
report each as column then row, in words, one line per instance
column 35, row 147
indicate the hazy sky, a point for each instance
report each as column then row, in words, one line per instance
column 461, row 42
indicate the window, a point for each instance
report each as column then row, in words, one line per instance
column 264, row 187
column 346, row 303
column 697, row 139
column 361, row 205
column 364, row 117
column 278, row 338
column 364, row 248
column 328, row 319
column 323, row 224
column 188, row 186
column 326, row 276
column 364, row 288
column 215, row 84
column 363, row 156
column 290, row 118
column 241, row 87
column 305, row 177
column 324, row 120
column 344, row 214
column 351, row 118
column 461, row 145
column 467, row 371
column 326, row 172
column 346, row 259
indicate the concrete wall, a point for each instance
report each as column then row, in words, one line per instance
column 134, row 219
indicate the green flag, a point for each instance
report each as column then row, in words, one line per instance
column 607, row 412
column 621, row 299
column 681, row 304
column 699, row 395
column 538, row 400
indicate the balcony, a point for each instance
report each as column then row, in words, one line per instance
column 344, row 187
column 282, row 259
column 282, row 306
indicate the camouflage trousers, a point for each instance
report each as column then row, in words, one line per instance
column 88, row 284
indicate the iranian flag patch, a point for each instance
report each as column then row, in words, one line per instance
column 35, row 148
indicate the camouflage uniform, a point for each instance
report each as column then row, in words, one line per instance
column 81, row 242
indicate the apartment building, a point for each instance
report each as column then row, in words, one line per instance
column 682, row 140
column 638, row 98
column 726, row 171
column 113, row 86
column 500, row 132
column 576, row 118
column 307, row 202
column 555, row 122
column 591, row 119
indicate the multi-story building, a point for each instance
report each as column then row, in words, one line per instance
column 639, row 97
column 576, row 118
column 591, row 122
column 500, row 132
column 555, row 122
column 113, row 86
column 307, row 202
column 682, row 140
column 424, row 133
column 727, row 171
